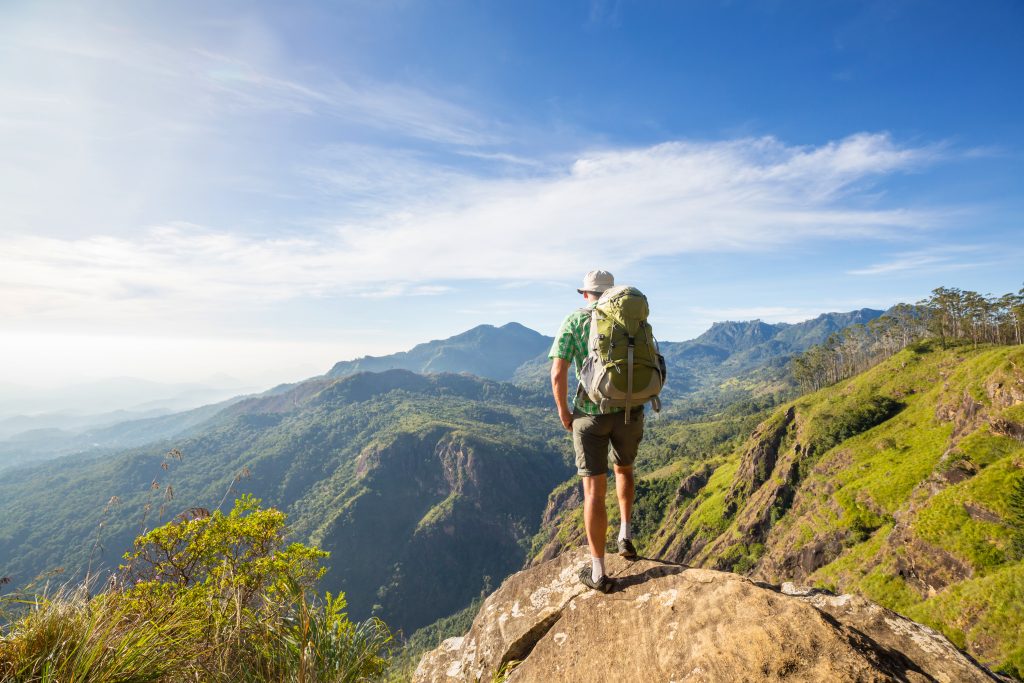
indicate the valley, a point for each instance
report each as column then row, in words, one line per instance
column 428, row 488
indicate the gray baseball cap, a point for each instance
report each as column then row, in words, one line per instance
column 597, row 281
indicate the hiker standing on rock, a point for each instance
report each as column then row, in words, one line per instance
column 619, row 368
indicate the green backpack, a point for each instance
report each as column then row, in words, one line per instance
column 623, row 367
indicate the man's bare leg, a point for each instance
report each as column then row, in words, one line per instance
column 595, row 518
column 625, row 491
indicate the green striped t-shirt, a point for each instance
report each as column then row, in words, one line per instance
column 571, row 344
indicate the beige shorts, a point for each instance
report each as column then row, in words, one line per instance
column 593, row 434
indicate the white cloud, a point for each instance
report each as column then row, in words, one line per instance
column 616, row 207
column 638, row 203
column 934, row 259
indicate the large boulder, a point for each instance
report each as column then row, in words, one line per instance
column 668, row 622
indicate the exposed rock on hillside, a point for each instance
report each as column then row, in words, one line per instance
column 669, row 622
column 566, row 497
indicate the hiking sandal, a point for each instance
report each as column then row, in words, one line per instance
column 626, row 549
column 604, row 585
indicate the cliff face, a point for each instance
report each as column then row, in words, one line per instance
column 667, row 621
column 429, row 518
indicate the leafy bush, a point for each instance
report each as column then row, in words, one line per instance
column 743, row 558
column 206, row 597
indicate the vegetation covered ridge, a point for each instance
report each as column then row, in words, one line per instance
column 949, row 315
column 388, row 472
column 904, row 484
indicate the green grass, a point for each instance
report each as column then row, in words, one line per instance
column 709, row 517
column 888, row 476
column 70, row 636
column 983, row 615
column 1014, row 413
column 850, row 567
column 885, row 587
column 984, row 448
column 946, row 522
column 875, row 476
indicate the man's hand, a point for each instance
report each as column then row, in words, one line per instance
column 566, row 416
column 560, row 388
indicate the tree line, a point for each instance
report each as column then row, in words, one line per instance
column 949, row 315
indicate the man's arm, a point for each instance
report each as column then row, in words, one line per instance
column 560, row 388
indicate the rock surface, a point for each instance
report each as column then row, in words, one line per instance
column 667, row 622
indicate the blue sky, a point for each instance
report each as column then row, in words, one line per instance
column 260, row 189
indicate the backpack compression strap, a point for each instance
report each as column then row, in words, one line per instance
column 631, row 342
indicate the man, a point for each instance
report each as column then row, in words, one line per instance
column 592, row 433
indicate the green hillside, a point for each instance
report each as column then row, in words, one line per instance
column 904, row 484
column 423, row 489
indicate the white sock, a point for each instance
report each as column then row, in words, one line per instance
column 596, row 568
column 624, row 530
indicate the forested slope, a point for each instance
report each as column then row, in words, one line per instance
column 420, row 487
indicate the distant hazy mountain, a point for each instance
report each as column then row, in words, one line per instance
column 64, row 406
column 516, row 353
column 16, row 427
column 511, row 352
column 47, row 443
column 485, row 351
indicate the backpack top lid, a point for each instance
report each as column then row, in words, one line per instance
column 625, row 306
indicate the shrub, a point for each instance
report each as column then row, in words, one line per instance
column 206, row 597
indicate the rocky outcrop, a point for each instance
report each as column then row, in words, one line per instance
column 762, row 490
column 668, row 622
column 760, row 456
column 689, row 486
column 557, row 534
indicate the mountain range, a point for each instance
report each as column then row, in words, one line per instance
column 752, row 350
column 486, row 351
column 516, row 353
column 426, row 488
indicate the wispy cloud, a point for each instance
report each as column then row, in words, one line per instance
column 933, row 259
column 106, row 127
column 202, row 82
column 616, row 207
